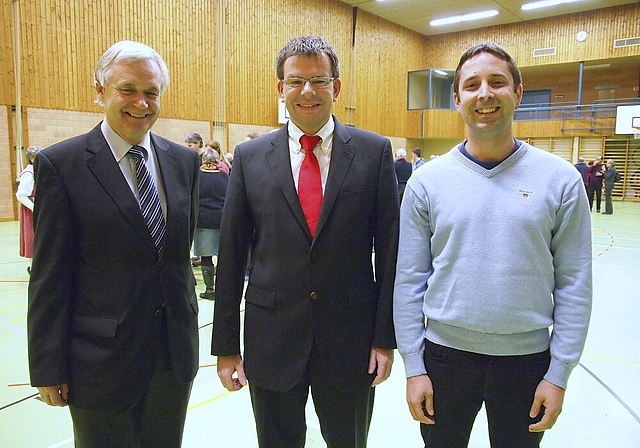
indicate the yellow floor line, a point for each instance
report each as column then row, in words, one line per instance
column 208, row 401
column 13, row 307
column 12, row 292
column 611, row 360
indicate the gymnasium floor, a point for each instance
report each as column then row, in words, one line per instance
column 601, row 408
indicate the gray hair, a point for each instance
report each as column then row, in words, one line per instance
column 401, row 153
column 128, row 50
column 31, row 152
column 209, row 155
column 307, row 46
column 194, row 137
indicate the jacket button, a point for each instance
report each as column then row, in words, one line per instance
column 313, row 296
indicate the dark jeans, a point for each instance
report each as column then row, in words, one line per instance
column 594, row 187
column 462, row 381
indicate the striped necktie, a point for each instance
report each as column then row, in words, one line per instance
column 149, row 200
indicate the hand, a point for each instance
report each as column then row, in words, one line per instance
column 420, row 399
column 551, row 397
column 227, row 366
column 382, row 359
column 55, row 395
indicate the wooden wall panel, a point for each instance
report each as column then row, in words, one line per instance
column 520, row 39
column 221, row 53
column 385, row 52
column 257, row 30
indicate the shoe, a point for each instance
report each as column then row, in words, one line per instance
column 195, row 261
column 209, row 281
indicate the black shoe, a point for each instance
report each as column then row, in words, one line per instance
column 209, row 294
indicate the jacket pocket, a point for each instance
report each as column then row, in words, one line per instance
column 261, row 297
column 104, row 327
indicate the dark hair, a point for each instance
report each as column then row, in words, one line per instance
column 307, row 46
column 417, row 151
column 494, row 49
column 194, row 137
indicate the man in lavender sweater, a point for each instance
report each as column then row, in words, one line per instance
column 492, row 254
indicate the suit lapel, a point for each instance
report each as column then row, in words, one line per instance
column 342, row 154
column 103, row 166
column 280, row 166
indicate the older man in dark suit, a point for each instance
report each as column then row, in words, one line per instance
column 112, row 315
column 318, row 196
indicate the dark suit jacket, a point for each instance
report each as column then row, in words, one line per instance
column 98, row 289
column 303, row 291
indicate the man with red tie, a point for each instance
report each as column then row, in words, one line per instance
column 317, row 197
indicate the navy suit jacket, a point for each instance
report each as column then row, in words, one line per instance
column 302, row 290
column 99, row 291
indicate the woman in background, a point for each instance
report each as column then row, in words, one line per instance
column 213, row 189
column 611, row 176
column 25, row 192
column 222, row 161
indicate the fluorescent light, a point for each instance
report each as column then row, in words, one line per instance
column 545, row 3
column 465, row 17
column 596, row 66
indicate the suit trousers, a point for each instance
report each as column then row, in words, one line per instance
column 463, row 381
column 344, row 415
column 155, row 420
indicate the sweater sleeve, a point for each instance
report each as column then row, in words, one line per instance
column 572, row 294
column 412, row 272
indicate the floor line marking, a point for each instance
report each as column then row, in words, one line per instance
column 620, row 400
column 15, row 328
column 612, row 360
column 61, row 443
column 208, row 401
column 19, row 401
column 12, row 307
column 12, row 292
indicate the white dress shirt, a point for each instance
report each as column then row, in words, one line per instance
column 120, row 148
column 322, row 150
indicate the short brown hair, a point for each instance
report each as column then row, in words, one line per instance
column 494, row 49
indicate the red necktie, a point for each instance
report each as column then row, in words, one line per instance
column 310, row 182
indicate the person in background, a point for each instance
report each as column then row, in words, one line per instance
column 492, row 253
column 222, row 161
column 611, row 176
column 418, row 161
column 25, row 195
column 319, row 196
column 251, row 136
column 403, row 171
column 113, row 315
column 583, row 169
column 194, row 141
column 213, row 188
column 596, row 176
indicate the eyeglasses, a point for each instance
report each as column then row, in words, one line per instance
column 317, row 82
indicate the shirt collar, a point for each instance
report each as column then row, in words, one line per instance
column 325, row 133
column 118, row 145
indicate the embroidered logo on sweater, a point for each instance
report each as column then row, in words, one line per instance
column 525, row 193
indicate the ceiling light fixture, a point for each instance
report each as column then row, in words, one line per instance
column 465, row 17
column 545, row 3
